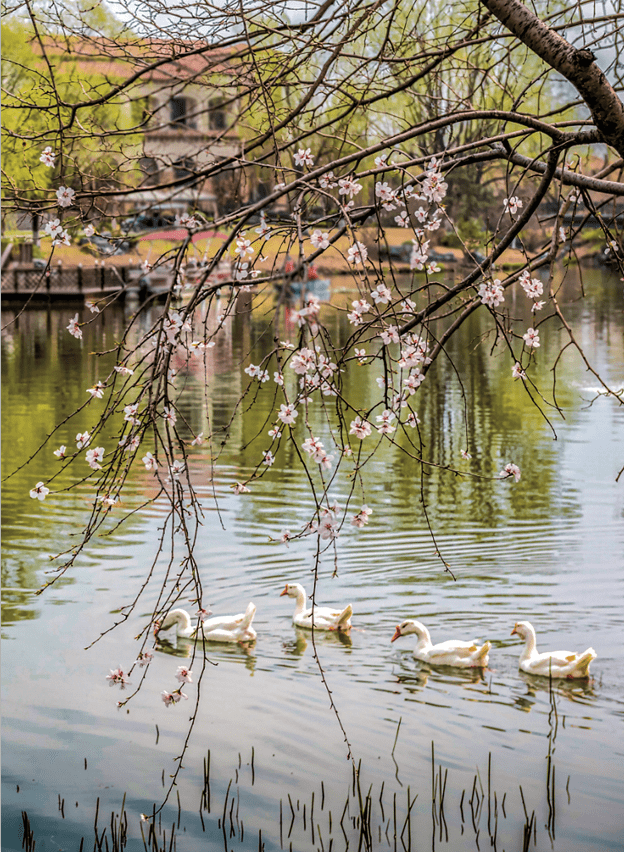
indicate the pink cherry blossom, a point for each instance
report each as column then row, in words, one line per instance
column 169, row 415
column 533, row 287
column 82, row 440
column 465, row 454
column 512, row 205
column 384, row 191
column 385, row 420
column 144, row 659
column 263, row 229
column 184, row 675
column 531, row 339
column 47, row 157
column 360, row 428
column 239, row 488
column 269, row 458
column 381, row 294
column 89, row 230
column 243, row 247
column 433, row 187
column 517, row 372
column 39, row 492
column 53, row 227
column 278, row 378
column 130, row 443
column 241, row 271
column 320, row 239
column 92, row 307
column 413, row 381
column 97, row 390
column 412, row 420
column 65, row 196
column 198, row 440
column 124, row 371
column 203, row 614
column 167, row 697
column 537, row 306
column 349, row 186
column 327, row 181
column 325, row 461
column 287, row 414
column 177, row 695
column 117, row 677
column 315, row 448
column 150, row 462
column 390, row 335
column 107, row 500
column 510, row 470
column 73, row 328
column 94, row 457
column 328, row 528
column 402, row 219
column 285, row 537
column 432, row 267
column 274, row 433
column 434, row 222
column 60, row 453
column 177, row 468
column 302, row 361
column 130, row 412
column 361, row 519
column 357, row 253
column 491, row 293
column 304, row 157
column 186, row 221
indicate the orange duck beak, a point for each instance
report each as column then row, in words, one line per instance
column 397, row 633
column 285, row 592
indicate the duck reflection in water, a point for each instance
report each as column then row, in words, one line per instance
column 579, row 691
column 416, row 679
column 322, row 638
column 213, row 653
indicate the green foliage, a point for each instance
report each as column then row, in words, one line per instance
column 38, row 112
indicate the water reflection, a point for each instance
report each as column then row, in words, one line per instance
column 548, row 548
column 581, row 692
column 322, row 639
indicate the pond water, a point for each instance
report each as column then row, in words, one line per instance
column 514, row 765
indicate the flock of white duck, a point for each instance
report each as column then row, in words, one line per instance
column 453, row 652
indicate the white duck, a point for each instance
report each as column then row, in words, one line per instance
column 324, row 617
column 224, row 628
column 556, row 663
column 454, row 652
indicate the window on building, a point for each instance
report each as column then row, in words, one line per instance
column 217, row 115
column 180, row 112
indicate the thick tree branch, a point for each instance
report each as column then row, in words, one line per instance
column 577, row 66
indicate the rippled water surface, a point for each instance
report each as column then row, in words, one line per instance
column 547, row 549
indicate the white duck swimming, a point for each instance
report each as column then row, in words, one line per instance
column 454, row 652
column 556, row 663
column 224, row 628
column 324, row 617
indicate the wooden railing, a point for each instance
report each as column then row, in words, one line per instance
column 64, row 280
